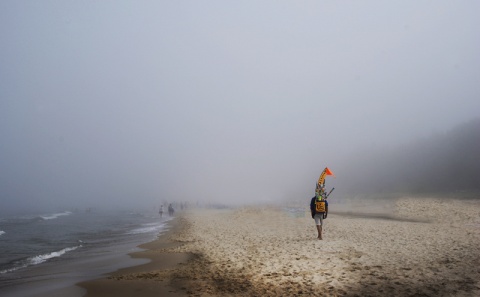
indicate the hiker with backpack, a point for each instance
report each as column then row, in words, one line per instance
column 319, row 209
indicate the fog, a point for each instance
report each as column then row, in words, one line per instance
column 444, row 164
column 130, row 103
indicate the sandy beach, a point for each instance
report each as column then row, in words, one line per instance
column 406, row 247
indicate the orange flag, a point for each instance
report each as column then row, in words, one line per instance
column 329, row 172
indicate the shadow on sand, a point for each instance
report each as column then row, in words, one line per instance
column 378, row 216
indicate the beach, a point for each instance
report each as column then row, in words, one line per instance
column 404, row 247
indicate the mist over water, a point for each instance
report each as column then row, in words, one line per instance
column 129, row 104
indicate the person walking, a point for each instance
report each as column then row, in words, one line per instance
column 161, row 211
column 319, row 209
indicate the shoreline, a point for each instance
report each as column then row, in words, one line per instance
column 145, row 279
column 415, row 246
column 94, row 258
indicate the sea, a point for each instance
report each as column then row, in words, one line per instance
column 43, row 254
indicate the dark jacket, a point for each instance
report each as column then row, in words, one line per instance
column 313, row 209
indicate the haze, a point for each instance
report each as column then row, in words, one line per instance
column 108, row 103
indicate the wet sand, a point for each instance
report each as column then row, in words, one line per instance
column 413, row 247
column 150, row 279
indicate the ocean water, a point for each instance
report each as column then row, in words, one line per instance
column 49, row 251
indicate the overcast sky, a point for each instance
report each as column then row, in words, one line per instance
column 140, row 101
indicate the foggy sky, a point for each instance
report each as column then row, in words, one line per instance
column 135, row 102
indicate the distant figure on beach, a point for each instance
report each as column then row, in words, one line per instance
column 161, row 211
column 319, row 209
column 170, row 210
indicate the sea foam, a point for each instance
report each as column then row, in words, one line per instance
column 149, row 228
column 42, row 258
column 35, row 260
column 56, row 215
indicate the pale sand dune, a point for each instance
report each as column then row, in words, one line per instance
column 265, row 252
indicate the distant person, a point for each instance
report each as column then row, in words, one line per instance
column 319, row 210
column 161, row 211
column 170, row 210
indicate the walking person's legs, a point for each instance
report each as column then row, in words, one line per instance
column 319, row 222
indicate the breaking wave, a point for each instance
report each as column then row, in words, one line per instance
column 146, row 229
column 56, row 215
column 149, row 228
column 35, row 260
